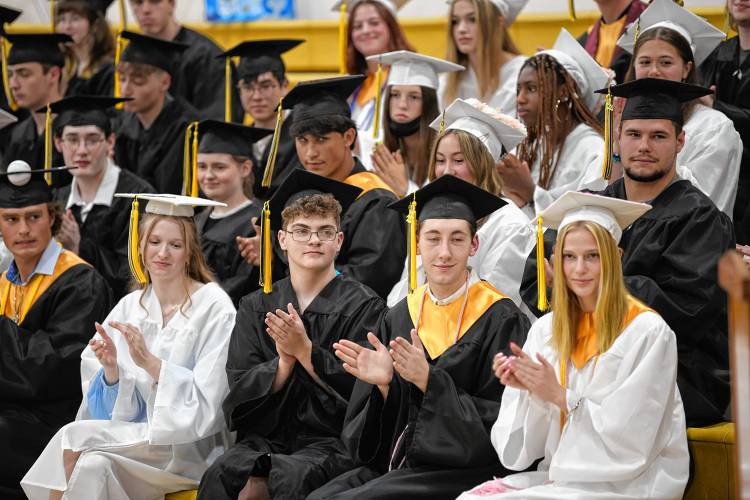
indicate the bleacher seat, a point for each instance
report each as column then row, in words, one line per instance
column 712, row 462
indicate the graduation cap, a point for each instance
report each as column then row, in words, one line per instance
column 216, row 137
column 447, row 197
column 142, row 49
column 655, row 98
column 298, row 184
column 81, row 110
column 497, row 131
column 256, row 57
column 700, row 34
column 21, row 186
column 43, row 48
column 159, row 204
column 583, row 68
column 410, row 68
column 7, row 16
column 613, row 214
column 509, row 9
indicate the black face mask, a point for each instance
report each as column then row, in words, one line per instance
column 401, row 130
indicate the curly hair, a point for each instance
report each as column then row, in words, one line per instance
column 315, row 205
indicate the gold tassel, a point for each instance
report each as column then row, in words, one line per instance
column 637, row 31
column 4, row 49
column 52, row 17
column 228, row 90
column 342, row 39
column 188, row 173
column 411, row 236
column 572, row 9
column 194, row 164
column 118, row 54
column 265, row 250
column 271, row 163
column 134, row 258
column 48, row 145
column 378, row 100
column 442, row 124
column 541, row 275
column 608, row 119
column 123, row 16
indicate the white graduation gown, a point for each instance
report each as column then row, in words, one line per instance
column 185, row 429
column 627, row 438
column 505, row 242
column 713, row 153
column 580, row 167
column 503, row 98
column 363, row 117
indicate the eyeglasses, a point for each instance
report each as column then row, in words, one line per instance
column 264, row 89
column 303, row 235
column 90, row 142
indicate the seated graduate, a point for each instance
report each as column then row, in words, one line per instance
column 150, row 136
column 288, row 393
column 95, row 223
column 671, row 43
column 594, row 389
column 263, row 84
column 49, row 301
column 474, row 138
column 373, row 251
column 420, row 415
column 410, row 106
column 563, row 150
column 224, row 173
column 150, row 421
column 671, row 254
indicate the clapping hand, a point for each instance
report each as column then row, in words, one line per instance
column 139, row 353
column 539, row 378
column 409, row 360
column 106, row 352
column 373, row 366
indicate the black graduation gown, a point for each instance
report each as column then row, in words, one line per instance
column 374, row 248
column 670, row 261
column 156, row 154
column 732, row 82
column 218, row 239
column 104, row 234
column 286, row 161
column 446, row 447
column 24, row 143
column 40, row 380
column 101, row 82
column 292, row 436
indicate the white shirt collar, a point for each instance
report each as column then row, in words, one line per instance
column 104, row 194
column 473, row 278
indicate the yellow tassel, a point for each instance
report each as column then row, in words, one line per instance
column 123, row 16
column 411, row 222
column 4, row 49
column 637, row 31
column 118, row 54
column 442, row 124
column 572, row 9
column 608, row 119
column 378, row 100
column 541, row 275
column 194, row 165
column 52, row 17
column 228, row 90
column 134, row 258
column 342, row 39
column 265, row 252
column 271, row 163
column 187, row 160
column 48, row 145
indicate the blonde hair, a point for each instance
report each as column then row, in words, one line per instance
column 476, row 156
column 494, row 39
column 611, row 304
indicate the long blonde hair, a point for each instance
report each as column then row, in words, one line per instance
column 476, row 156
column 493, row 41
column 611, row 305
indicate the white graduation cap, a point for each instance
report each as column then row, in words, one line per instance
column 700, row 34
column 6, row 118
column 392, row 5
column 613, row 214
column 493, row 129
column 583, row 68
column 509, row 9
column 172, row 204
column 410, row 68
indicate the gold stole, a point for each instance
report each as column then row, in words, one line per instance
column 28, row 294
column 438, row 324
column 367, row 181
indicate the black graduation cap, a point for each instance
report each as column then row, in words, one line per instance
column 7, row 16
column 143, row 49
column 228, row 138
column 261, row 56
column 43, row 48
column 655, row 98
column 21, row 186
column 81, row 110
column 320, row 98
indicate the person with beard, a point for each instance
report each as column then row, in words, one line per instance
column 671, row 253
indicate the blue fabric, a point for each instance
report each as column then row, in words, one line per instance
column 46, row 264
column 102, row 396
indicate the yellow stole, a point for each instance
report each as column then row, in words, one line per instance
column 608, row 36
column 438, row 324
column 369, row 89
column 367, row 181
column 17, row 300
